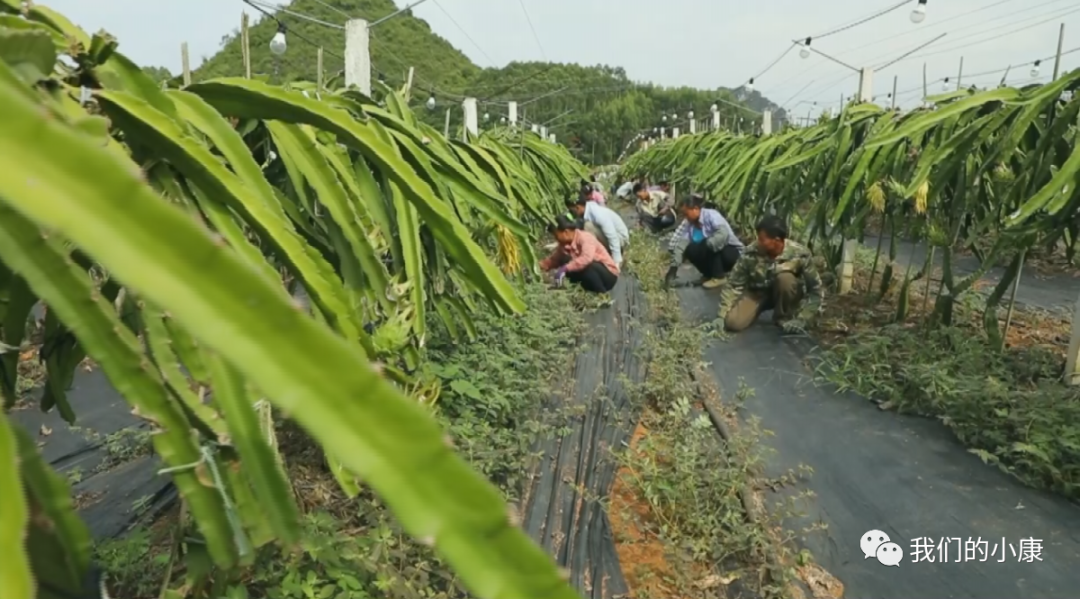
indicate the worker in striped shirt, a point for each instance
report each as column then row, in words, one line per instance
column 604, row 223
column 654, row 208
column 580, row 257
column 705, row 239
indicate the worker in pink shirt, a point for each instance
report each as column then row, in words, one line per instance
column 591, row 194
column 581, row 258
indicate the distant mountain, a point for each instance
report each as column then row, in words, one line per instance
column 595, row 110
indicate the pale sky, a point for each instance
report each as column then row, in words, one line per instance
column 700, row 43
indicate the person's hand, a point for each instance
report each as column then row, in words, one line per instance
column 669, row 278
column 560, row 275
column 713, row 243
column 795, row 326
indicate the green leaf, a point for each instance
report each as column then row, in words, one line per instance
column 16, row 579
column 31, row 53
column 324, row 382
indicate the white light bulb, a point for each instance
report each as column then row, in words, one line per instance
column 431, row 103
column 1035, row 69
column 750, row 86
column 664, row 118
column 714, row 108
column 919, row 14
column 487, row 116
column 277, row 44
column 805, row 52
column 945, row 85
column 691, row 115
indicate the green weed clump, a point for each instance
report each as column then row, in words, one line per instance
column 492, row 391
column 691, row 482
column 1009, row 407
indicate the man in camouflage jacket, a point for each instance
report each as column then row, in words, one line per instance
column 774, row 273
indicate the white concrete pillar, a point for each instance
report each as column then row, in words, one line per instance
column 675, row 133
column 766, row 122
column 472, row 126
column 357, row 56
column 1072, row 359
column 866, row 85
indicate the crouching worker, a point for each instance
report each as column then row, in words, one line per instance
column 705, row 239
column 581, row 258
column 654, row 208
column 604, row 223
column 774, row 273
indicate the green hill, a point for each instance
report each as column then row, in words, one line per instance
column 595, row 110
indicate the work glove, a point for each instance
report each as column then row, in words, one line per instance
column 714, row 243
column 795, row 326
column 669, row 278
column 560, row 275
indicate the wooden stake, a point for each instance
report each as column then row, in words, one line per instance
column 319, row 66
column 245, row 43
column 186, row 64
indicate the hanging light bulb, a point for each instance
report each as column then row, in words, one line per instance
column 277, row 43
column 503, row 120
column 487, row 117
column 674, row 118
column 919, row 14
column 750, row 86
column 714, row 109
column 1035, row 68
column 664, row 118
column 431, row 102
column 945, row 85
column 805, row 51
column 690, row 115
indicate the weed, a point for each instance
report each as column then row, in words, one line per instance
column 1008, row 406
column 135, row 563
column 494, row 389
column 681, row 488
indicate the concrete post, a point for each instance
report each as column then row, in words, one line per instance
column 512, row 113
column 1072, row 359
column 847, row 256
column 471, row 122
column 357, row 57
column 766, row 122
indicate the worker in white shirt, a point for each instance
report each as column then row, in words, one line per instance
column 624, row 190
column 605, row 224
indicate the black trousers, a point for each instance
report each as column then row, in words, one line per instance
column 595, row 278
column 658, row 223
column 711, row 264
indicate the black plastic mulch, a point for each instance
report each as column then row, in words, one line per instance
column 565, row 508
column 115, row 487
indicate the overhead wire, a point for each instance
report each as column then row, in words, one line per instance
column 302, row 38
column 465, row 33
column 922, row 28
column 1000, row 35
column 876, row 15
column 528, row 19
column 808, row 71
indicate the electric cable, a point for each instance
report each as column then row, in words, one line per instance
column 528, row 19
column 465, row 33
